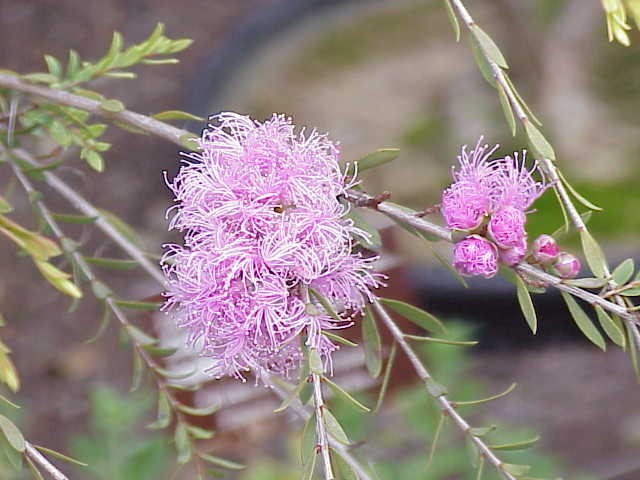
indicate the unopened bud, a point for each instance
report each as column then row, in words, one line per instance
column 567, row 265
column 545, row 250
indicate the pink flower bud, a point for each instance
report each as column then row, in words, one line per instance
column 506, row 227
column 514, row 255
column 475, row 255
column 545, row 249
column 567, row 265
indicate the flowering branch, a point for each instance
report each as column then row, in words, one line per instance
column 438, row 393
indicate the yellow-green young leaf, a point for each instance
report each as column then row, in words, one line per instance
column 53, row 64
column 199, row 412
column 371, row 344
column 176, row 115
column 593, row 253
column 414, row 314
column 481, row 61
column 623, row 272
column 174, row 375
column 8, row 373
column 137, row 373
column 164, row 413
column 511, row 388
column 182, row 444
column 506, row 108
column 521, row 445
column 93, row 159
column 334, row 428
column 61, row 456
column 75, row 219
column 40, row 77
column 221, row 462
column 346, row 472
column 489, row 47
column 200, row 433
column 12, row 434
column 5, row 206
column 112, row 263
column 443, row 341
column 583, row 322
column 539, row 144
column 526, row 305
column 610, row 328
column 315, row 362
column 60, row 134
column 159, row 351
column 453, row 19
column 189, row 141
column 516, row 470
column 343, row 394
column 112, row 105
column 133, row 305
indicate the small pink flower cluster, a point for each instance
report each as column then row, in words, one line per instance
column 262, row 226
column 488, row 203
column 545, row 251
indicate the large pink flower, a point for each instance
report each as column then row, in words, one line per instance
column 262, row 225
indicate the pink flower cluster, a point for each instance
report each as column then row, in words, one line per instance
column 488, row 202
column 262, row 225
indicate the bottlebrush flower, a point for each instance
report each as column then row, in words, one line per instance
column 475, row 255
column 513, row 255
column 545, row 249
column 262, row 224
column 514, row 185
column 506, row 227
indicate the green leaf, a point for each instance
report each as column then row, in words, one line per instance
column 159, row 351
column 315, row 362
column 623, row 272
column 633, row 352
column 343, row 394
column 308, row 444
column 590, row 282
column 163, row 419
column 481, row 61
column 514, row 469
column 189, row 141
column 443, row 341
column 182, row 443
column 174, row 375
column 221, row 462
column 377, row 158
column 593, row 253
column 371, row 344
column 539, row 144
column 93, row 159
column 60, row 456
column 521, row 445
column 506, row 108
column 5, row 206
column 34, row 469
column 482, row 431
column 53, row 65
column 112, row 105
column 436, row 437
column 309, row 468
column 583, row 322
column 416, row 315
column 577, row 196
column 334, row 428
column 139, row 336
column 200, row 433
column 631, row 292
column 346, row 472
column 374, row 242
column 526, row 305
column 453, row 19
column 138, row 372
column 60, row 134
column 176, row 115
column 40, row 77
column 12, row 434
column 133, row 305
column 489, row 47
column 100, row 290
column 339, row 339
column 386, row 377
column 112, row 263
column 463, row 403
column 291, row 396
column 328, row 308
column 199, row 412
column 434, row 388
column 610, row 328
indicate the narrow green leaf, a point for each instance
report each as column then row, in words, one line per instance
column 610, row 328
column 506, row 108
column 443, row 341
column 339, row 339
column 221, row 462
column 591, row 282
column 539, row 144
column 434, row 440
column 133, row 305
column 416, row 315
column 577, row 195
column 60, row 134
column 516, row 470
column 5, row 206
column 163, row 419
column 293, row 395
column 199, row 412
column 8, row 402
column 100, row 290
column 60, row 456
column 489, row 47
column 387, row 376
column 526, row 305
column 623, row 272
column 583, row 322
column 334, row 428
column 138, row 372
column 633, row 352
column 315, row 362
column 342, row 393
column 343, row 467
column 12, row 434
column 593, row 253
column 325, row 304
column 521, row 445
column 112, row 105
column 371, row 343
column 481, row 61
column 480, row 469
column 523, row 104
column 189, row 141
column 200, row 433
column 104, row 323
column 93, row 159
column 174, row 375
column 463, row 403
column 482, row 431
column 309, row 468
column 34, row 469
column 53, row 65
column 631, row 292
column 453, row 19
column 434, row 388
column 182, row 443
column 447, row 265
column 176, row 115
column 112, row 263
column 377, row 158
column 307, row 447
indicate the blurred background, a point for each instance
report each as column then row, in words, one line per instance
column 374, row 74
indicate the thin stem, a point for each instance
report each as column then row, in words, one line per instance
column 321, row 430
column 442, row 400
column 304, row 414
column 143, row 122
column 39, row 459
